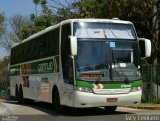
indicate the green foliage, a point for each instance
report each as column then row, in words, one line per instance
column 4, row 94
column 146, row 62
column 36, row 2
column 43, row 20
column 137, row 11
column 37, row 24
column 144, row 99
column 147, row 100
column 26, row 31
column 4, row 78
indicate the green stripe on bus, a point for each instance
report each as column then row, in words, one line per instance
column 15, row 70
column 39, row 67
column 45, row 66
column 84, row 84
column 110, row 86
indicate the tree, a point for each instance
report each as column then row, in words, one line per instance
column 38, row 23
column 6, row 41
column 145, row 14
column 2, row 27
column 2, row 24
column 36, row 2
column 4, row 80
column 16, row 22
column 13, row 35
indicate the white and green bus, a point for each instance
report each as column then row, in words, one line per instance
column 80, row 63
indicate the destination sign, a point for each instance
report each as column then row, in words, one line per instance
column 93, row 75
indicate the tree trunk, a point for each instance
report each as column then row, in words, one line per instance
column 155, row 50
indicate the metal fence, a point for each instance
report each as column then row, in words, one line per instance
column 151, row 83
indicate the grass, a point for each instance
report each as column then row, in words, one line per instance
column 147, row 100
column 4, row 95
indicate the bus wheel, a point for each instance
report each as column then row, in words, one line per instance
column 20, row 97
column 110, row 108
column 56, row 101
column 16, row 92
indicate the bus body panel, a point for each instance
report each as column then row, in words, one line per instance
column 83, row 99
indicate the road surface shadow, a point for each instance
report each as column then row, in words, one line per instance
column 67, row 111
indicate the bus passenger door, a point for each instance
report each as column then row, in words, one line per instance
column 67, row 64
column 68, row 83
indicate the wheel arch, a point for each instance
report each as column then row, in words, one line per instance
column 16, row 91
column 53, row 91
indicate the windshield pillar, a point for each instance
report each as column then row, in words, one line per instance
column 109, row 59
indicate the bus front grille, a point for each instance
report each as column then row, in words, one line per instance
column 111, row 91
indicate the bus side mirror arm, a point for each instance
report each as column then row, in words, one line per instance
column 73, row 45
column 145, row 47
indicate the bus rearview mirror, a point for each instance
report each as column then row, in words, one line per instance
column 73, row 45
column 145, row 47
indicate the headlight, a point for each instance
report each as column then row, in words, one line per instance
column 134, row 89
column 84, row 89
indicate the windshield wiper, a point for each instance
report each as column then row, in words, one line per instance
column 126, row 80
column 109, row 64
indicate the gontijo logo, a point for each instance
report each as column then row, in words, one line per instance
column 48, row 66
column 43, row 67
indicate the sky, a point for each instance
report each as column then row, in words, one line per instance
column 13, row 7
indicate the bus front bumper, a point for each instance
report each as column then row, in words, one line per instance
column 84, row 99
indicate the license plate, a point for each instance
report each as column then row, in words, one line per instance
column 111, row 99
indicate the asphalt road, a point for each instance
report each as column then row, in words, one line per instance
column 38, row 111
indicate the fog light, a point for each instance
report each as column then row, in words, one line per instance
column 84, row 89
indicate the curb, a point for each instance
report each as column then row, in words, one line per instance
column 2, row 100
column 144, row 107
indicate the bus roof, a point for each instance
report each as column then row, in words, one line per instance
column 114, row 20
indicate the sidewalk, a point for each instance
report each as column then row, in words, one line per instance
column 144, row 106
column 2, row 101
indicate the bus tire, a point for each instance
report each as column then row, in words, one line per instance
column 20, row 96
column 56, row 101
column 16, row 92
column 110, row 109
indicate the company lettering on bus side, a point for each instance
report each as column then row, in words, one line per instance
column 44, row 67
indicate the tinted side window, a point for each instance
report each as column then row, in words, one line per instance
column 47, row 45
column 43, row 46
column 53, row 43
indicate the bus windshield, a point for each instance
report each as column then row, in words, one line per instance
column 96, row 57
column 108, row 51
